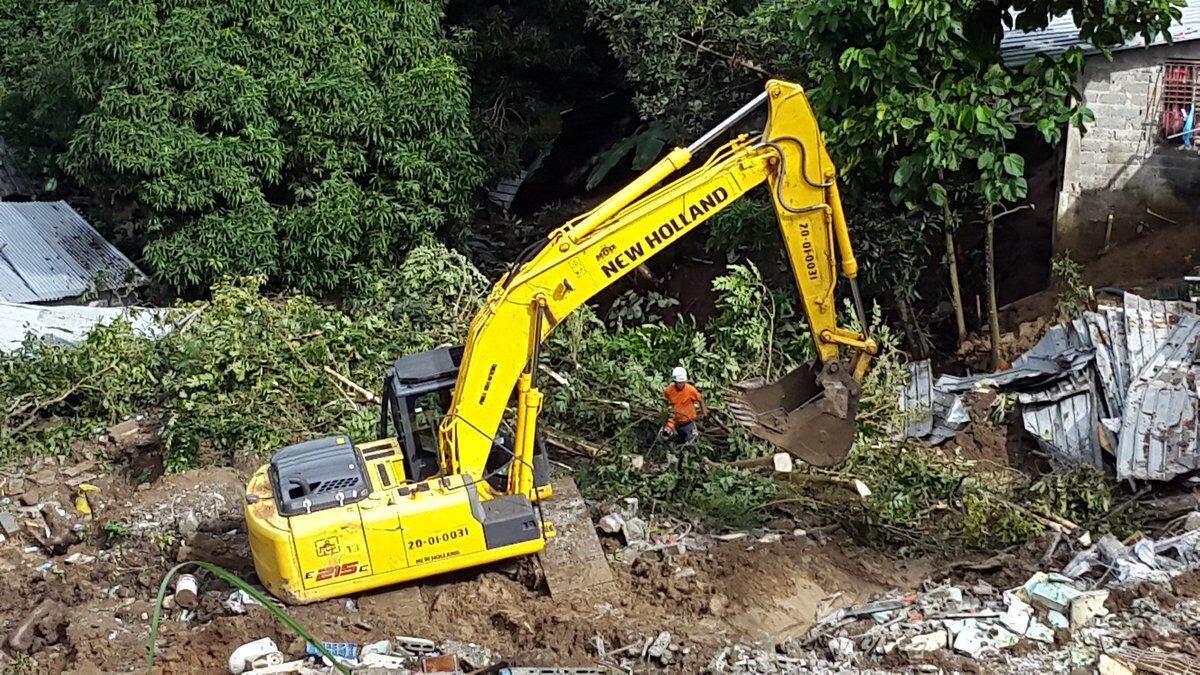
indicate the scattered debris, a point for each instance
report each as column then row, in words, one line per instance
column 239, row 600
column 186, row 587
column 1158, row 562
column 249, row 655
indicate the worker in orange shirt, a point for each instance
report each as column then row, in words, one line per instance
column 685, row 401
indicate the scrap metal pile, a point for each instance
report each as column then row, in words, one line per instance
column 1121, row 382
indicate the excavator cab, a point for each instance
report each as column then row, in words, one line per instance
column 417, row 391
column 413, row 385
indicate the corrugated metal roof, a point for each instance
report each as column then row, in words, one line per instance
column 49, row 252
column 1124, row 379
column 1158, row 430
column 930, row 414
column 70, row 324
column 1061, row 350
column 1061, row 34
column 1109, row 361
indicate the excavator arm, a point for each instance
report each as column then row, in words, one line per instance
column 592, row 252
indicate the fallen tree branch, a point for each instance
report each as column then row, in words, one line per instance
column 575, row 446
column 1119, row 508
column 1055, row 523
column 36, row 408
column 359, row 389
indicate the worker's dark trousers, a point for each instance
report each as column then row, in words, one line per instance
column 685, row 432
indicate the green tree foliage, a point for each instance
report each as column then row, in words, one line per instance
column 303, row 140
column 1073, row 295
column 241, row 372
column 919, row 90
column 528, row 61
column 690, row 62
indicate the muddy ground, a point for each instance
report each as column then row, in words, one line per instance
column 79, row 589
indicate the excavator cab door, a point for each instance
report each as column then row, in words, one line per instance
column 808, row 413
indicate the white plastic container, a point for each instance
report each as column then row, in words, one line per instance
column 243, row 658
column 186, row 591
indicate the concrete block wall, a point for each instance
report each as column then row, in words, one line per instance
column 1119, row 166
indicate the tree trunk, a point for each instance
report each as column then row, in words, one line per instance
column 952, row 260
column 993, row 312
column 911, row 330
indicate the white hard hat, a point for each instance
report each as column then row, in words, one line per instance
column 679, row 374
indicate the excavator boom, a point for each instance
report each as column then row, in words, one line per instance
column 593, row 251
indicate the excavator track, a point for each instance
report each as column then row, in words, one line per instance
column 573, row 560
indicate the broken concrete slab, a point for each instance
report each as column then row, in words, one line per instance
column 926, row 642
column 1004, row 638
column 1057, row 619
column 1016, row 618
column 1053, row 594
column 1040, row 632
column 971, row 641
column 1107, row 665
column 123, row 432
column 9, row 523
column 841, row 649
column 611, row 523
column 1086, row 607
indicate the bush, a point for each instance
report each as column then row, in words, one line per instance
column 299, row 139
column 1073, row 295
column 242, row 372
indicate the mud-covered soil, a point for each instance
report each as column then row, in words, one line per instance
column 80, row 598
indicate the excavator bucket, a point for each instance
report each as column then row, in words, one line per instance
column 809, row 412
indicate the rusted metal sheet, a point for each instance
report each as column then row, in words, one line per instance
column 1158, row 440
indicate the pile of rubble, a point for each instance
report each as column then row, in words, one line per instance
column 666, row 535
column 646, row 534
column 1051, row 623
column 397, row 656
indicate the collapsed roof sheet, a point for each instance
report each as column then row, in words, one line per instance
column 1122, row 380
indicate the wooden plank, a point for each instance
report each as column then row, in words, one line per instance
column 574, row 560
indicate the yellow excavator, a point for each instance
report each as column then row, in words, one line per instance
column 444, row 489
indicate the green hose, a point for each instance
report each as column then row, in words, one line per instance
column 234, row 581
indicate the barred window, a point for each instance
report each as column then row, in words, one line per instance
column 1181, row 84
